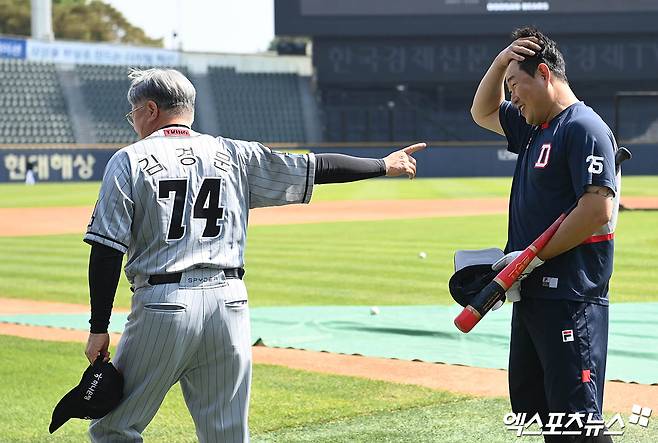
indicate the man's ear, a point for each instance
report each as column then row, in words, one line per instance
column 153, row 110
column 544, row 72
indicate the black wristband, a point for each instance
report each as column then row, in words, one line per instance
column 340, row 168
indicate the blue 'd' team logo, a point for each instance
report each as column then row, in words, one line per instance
column 544, row 155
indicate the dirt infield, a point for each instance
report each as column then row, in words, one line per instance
column 619, row 397
column 73, row 220
column 15, row 222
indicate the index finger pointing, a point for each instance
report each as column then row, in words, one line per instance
column 414, row 148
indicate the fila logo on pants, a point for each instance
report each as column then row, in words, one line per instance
column 567, row 335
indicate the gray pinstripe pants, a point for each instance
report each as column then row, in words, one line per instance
column 198, row 335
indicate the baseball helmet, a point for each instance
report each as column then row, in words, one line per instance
column 472, row 273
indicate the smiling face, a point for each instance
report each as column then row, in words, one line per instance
column 530, row 94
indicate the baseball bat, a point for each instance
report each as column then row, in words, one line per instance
column 494, row 291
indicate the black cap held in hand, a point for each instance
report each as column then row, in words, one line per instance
column 100, row 391
column 472, row 273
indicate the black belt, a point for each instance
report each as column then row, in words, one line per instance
column 163, row 279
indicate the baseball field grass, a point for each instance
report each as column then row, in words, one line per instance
column 287, row 406
column 342, row 263
column 17, row 195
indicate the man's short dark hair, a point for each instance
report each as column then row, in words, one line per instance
column 549, row 54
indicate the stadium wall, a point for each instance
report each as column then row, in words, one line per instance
column 60, row 163
column 72, row 53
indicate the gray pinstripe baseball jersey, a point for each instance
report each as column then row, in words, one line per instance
column 174, row 203
column 178, row 201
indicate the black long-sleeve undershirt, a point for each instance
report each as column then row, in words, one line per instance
column 104, row 273
column 340, row 168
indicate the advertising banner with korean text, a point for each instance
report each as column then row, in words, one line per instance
column 99, row 54
column 53, row 164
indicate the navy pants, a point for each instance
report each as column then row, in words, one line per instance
column 557, row 358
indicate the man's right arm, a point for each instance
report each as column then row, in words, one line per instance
column 491, row 91
column 104, row 272
column 276, row 178
column 488, row 97
column 109, row 233
column 340, row 168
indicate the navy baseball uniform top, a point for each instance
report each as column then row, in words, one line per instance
column 556, row 162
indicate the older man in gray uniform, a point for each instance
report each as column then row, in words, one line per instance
column 177, row 202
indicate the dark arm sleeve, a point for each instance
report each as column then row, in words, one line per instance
column 104, row 272
column 339, row 168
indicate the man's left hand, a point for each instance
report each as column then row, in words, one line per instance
column 513, row 294
column 401, row 162
column 98, row 344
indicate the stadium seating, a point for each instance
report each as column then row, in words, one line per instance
column 257, row 106
column 637, row 111
column 32, row 106
column 104, row 89
column 638, row 119
column 268, row 107
column 368, row 114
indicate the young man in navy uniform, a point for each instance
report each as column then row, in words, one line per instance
column 565, row 154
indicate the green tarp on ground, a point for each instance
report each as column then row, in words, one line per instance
column 422, row 333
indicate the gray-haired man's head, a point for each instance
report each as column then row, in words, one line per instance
column 168, row 88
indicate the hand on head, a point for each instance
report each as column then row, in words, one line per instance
column 518, row 50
